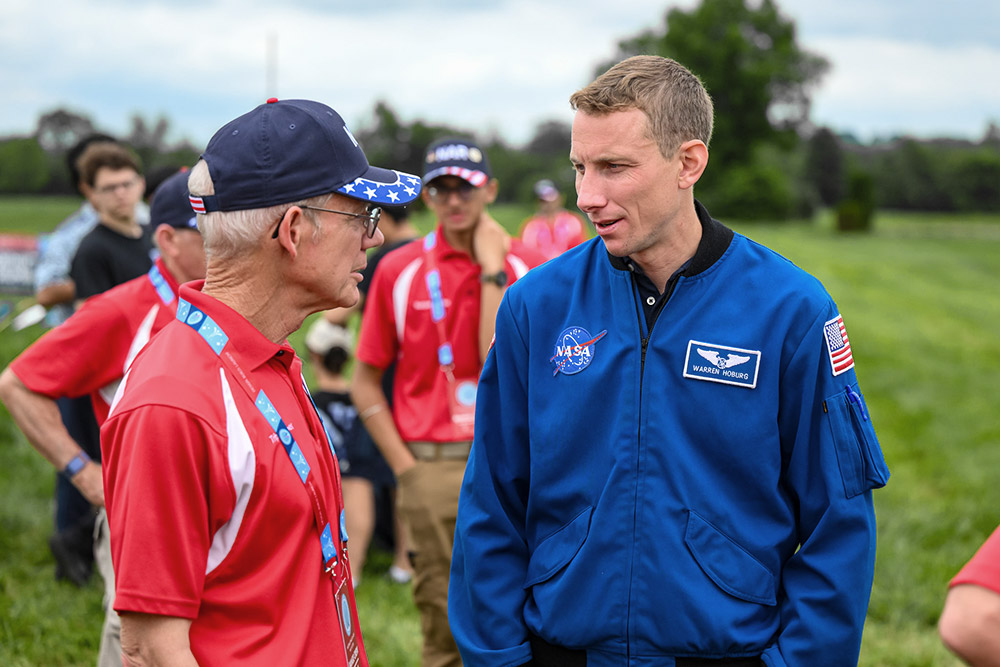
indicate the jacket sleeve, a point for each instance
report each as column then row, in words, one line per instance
column 833, row 463
column 486, row 595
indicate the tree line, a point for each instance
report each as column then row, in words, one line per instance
column 768, row 161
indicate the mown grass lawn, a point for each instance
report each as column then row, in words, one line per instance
column 921, row 305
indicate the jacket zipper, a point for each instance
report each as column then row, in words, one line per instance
column 668, row 292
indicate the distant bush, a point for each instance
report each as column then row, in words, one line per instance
column 24, row 166
column 856, row 212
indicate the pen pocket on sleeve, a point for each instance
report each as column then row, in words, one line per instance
column 862, row 466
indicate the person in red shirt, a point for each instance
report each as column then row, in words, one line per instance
column 88, row 355
column 970, row 621
column 431, row 308
column 228, row 530
column 552, row 230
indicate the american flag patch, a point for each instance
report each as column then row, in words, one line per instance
column 838, row 345
column 197, row 204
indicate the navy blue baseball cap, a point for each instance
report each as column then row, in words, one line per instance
column 290, row 150
column 456, row 156
column 170, row 203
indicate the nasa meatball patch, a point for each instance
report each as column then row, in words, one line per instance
column 721, row 363
column 574, row 350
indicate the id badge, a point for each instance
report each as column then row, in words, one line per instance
column 462, row 403
column 348, row 624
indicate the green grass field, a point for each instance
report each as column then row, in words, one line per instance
column 920, row 301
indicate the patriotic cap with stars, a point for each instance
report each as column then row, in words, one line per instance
column 289, row 150
column 455, row 156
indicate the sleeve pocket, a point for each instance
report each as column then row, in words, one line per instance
column 862, row 466
column 558, row 549
column 730, row 566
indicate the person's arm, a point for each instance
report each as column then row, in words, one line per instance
column 833, row 463
column 489, row 563
column 970, row 625
column 490, row 244
column 55, row 294
column 149, row 640
column 374, row 412
column 38, row 418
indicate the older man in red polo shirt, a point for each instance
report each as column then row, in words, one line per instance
column 88, row 355
column 223, row 492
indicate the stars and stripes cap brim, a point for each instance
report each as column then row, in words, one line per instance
column 383, row 186
column 473, row 176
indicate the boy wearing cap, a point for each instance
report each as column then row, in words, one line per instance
column 431, row 308
column 88, row 355
column 223, row 492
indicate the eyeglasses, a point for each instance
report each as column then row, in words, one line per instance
column 114, row 187
column 441, row 194
column 370, row 216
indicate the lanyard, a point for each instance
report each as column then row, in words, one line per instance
column 161, row 285
column 217, row 339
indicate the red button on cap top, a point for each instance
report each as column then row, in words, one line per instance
column 272, row 100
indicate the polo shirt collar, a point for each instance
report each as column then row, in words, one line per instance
column 444, row 249
column 246, row 343
column 165, row 272
column 715, row 240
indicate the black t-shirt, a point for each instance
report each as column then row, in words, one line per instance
column 106, row 258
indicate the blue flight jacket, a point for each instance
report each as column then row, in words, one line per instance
column 701, row 489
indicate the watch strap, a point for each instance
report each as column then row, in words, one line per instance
column 76, row 464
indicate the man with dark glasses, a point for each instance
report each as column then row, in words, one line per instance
column 431, row 308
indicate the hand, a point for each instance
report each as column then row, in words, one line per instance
column 90, row 482
column 490, row 243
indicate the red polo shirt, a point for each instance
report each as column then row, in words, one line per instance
column 209, row 518
column 89, row 352
column 398, row 326
column 983, row 569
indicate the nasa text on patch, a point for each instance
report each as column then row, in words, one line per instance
column 574, row 350
column 721, row 363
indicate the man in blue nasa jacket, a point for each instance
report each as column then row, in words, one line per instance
column 673, row 463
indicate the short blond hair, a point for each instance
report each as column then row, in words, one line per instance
column 674, row 100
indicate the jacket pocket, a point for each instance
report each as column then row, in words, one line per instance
column 859, row 456
column 555, row 551
column 730, row 566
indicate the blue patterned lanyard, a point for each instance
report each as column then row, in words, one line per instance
column 160, row 284
column 217, row 339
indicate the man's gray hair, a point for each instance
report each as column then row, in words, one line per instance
column 228, row 234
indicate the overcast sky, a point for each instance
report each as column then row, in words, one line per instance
column 921, row 67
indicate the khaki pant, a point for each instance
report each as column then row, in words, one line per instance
column 427, row 503
column 110, row 654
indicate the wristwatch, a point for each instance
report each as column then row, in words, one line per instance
column 499, row 278
column 75, row 464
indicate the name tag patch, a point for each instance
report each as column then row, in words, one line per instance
column 721, row 363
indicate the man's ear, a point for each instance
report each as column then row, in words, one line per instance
column 492, row 188
column 693, row 156
column 163, row 236
column 294, row 229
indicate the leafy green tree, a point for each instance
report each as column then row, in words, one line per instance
column 24, row 167
column 747, row 56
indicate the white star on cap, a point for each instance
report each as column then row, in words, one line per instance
column 370, row 193
column 349, row 187
column 410, row 191
column 394, row 196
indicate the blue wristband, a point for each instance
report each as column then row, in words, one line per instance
column 76, row 464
